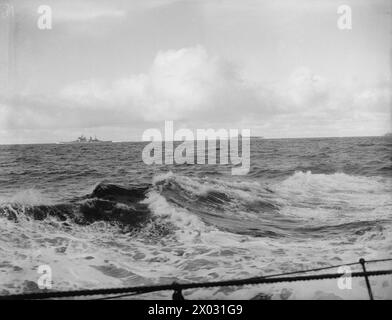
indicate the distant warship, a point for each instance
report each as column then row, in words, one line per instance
column 83, row 139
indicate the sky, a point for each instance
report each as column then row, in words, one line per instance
column 114, row 68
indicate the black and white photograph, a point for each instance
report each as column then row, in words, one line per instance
column 204, row 150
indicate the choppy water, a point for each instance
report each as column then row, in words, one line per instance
column 305, row 203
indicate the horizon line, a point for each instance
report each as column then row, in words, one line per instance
column 141, row 141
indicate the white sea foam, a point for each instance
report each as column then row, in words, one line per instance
column 30, row 197
column 189, row 226
column 335, row 196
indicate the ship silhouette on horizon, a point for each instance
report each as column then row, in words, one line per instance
column 83, row 139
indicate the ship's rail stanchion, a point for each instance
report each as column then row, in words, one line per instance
column 362, row 262
column 177, row 288
column 177, row 294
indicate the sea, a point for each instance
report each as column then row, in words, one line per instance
column 99, row 217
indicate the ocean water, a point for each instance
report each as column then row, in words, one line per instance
column 100, row 217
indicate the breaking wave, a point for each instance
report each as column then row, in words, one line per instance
column 193, row 227
column 302, row 205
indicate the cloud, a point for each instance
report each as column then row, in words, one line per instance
column 186, row 84
column 193, row 87
column 84, row 14
column 73, row 11
column 306, row 88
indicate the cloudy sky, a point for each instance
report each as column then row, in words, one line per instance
column 117, row 67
